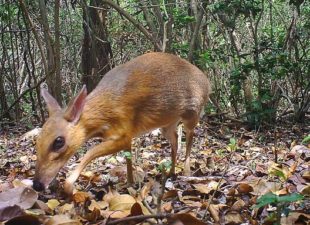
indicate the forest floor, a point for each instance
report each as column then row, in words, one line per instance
column 239, row 176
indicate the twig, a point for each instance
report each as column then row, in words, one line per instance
column 217, row 187
column 35, row 34
column 140, row 217
column 120, row 10
column 21, row 96
column 147, row 206
column 199, row 179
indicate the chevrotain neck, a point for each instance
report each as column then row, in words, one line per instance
column 97, row 115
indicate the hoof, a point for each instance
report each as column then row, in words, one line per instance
column 68, row 189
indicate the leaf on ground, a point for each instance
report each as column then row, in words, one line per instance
column 120, row 172
column 10, row 212
column 93, row 215
column 215, row 210
column 305, row 190
column 261, row 187
column 280, row 171
column 136, row 210
column 99, row 205
column 273, row 198
column 306, row 175
column 62, row 220
column 115, row 214
column 166, row 207
column 53, row 203
column 293, row 217
column 110, row 195
column 261, row 169
column 170, row 194
column 24, row 219
column 233, row 218
column 30, row 135
column 124, row 203
column 65, row 208
column 35, row 212
column 206, row 188
column 192, row 201
column 186, row 219
column 238, row 205
column 244, row 188
column 91, row 176
column 80, row 197
column 301, row 150
column 5, row 186
column 41, row 205
column 22, row 196
column 22, row 183
column 121, row 202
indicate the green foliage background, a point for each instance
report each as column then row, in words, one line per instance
column 256, row 52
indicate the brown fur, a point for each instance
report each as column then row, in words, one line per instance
column 155, row 90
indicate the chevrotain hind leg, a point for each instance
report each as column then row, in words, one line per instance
column 190, row 121
column 170, row 133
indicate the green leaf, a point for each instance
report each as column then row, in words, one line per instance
column 273, row 198
column 290, row 198
column 278, row 173
column 306, row 140
column 266, row 199
column 165, row 166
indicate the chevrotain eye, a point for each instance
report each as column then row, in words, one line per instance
column 58, row 143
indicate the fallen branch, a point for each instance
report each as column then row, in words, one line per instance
column 199, row 179
column 140, row 218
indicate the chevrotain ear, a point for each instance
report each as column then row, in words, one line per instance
column 75, row 107
column 51, row 103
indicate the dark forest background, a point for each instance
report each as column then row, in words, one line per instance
column 256, row 52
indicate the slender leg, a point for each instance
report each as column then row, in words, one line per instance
column 171, row 135
column 189, row 124
column 130, row 180
column 189, row 143
column 105, row 148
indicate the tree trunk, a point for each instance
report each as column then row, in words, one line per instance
column 3, row 102
column 96, row 49
column 53, row 78
column 193, row 42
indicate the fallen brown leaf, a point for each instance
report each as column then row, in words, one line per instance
column 293, row 217
column 121, row 202
column 80, row 197
column 62, row 220
column 22, row 196
column 244, row 188
column 25, row 219
column 10, row 212
column 186, row 219
column 238, row 205
column 170, row 194
column 233, row 218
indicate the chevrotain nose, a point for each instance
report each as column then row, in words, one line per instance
column 38, row 186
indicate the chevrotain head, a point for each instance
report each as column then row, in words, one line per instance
column 59, row 139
